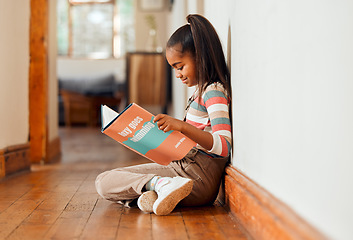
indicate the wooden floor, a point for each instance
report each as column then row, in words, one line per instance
column 59, row 201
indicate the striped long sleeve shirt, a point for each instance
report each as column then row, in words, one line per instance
column 211, row 114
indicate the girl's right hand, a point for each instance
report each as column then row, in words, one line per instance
column 168, row 123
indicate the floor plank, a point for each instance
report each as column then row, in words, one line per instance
column 134, row 224
column 104, row 221
column 169, row 227
column 200, row 224
column 59, row 201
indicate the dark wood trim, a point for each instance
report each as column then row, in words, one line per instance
column 54, row 150
column 2, row 164
column 14, row 159
column 38, row 80
column 260, row 213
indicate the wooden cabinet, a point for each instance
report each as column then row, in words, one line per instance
column 83, row 109
column 148, row 79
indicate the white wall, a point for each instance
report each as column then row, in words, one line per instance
column 77, row 68
column 14, row 68
column 292, row 80
column 142, row 28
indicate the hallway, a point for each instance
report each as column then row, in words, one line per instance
column 59, row 201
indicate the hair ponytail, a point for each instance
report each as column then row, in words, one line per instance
column 210, row 60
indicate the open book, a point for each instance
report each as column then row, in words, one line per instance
column 135, row 129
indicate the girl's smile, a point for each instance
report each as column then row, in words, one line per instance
column 184, row 65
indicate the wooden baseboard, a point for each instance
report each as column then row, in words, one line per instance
column 14, row 159
column 260, row 213
column 54, row 151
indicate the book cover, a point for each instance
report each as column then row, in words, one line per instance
column 135, row 129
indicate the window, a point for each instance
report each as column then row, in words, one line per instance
column 95, row 29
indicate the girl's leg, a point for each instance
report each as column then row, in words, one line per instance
column 207, row 174
column 127, row 183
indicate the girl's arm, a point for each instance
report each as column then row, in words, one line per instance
column 167, row 123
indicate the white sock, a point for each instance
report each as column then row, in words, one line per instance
column 152, row 183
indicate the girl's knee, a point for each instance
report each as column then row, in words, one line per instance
column 201, row 194
column 100, row 184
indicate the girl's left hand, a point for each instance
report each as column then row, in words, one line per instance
column 168, row 123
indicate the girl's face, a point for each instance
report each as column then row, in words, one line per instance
column 184, row 65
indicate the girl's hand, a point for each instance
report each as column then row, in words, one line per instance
column 168, row 123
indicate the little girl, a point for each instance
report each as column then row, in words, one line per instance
column 195, row 52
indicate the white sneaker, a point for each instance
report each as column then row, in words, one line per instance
column 146, row 200
column 170, row 192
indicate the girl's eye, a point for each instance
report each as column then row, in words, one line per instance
column 181, row 68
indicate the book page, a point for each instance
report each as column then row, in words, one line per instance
column 108, row 115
